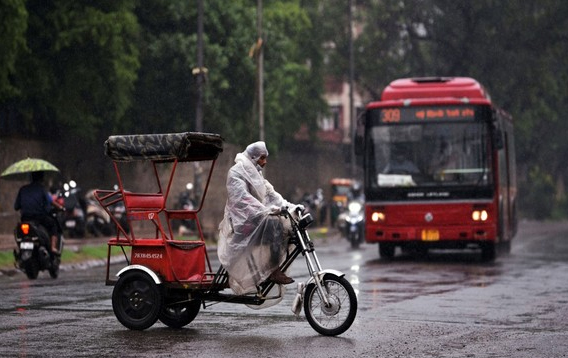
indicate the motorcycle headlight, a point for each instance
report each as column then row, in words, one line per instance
column 355, row 207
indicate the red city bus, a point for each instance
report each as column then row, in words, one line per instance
column 439, row 165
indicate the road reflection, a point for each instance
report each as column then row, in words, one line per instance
column 408, row 276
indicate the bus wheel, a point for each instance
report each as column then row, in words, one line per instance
column 386, row 250
column 488, row 251
column 505, row 247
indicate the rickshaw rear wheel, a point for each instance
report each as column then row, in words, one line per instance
column 337, row 317
column 136, row 300
column 177, row 315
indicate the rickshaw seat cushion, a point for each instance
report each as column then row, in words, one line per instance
column 143, row 201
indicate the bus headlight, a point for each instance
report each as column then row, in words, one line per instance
column 377, row 216
column 479, row 215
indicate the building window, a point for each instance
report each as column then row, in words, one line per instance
column 331, row 121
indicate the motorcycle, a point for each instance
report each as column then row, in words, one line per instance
column 32, row 253
column 98, row 222
column 354, row 223
column 118, row 212
column 185, row 202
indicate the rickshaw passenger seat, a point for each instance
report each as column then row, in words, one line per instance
column 143, row 201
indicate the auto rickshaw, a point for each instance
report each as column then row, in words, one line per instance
column 340, row 188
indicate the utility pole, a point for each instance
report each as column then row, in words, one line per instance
column 260, row 69
column 352, row 119
column 199, row 72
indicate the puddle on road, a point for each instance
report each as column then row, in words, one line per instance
column 406, row 277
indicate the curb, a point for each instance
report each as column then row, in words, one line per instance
column 83, row 265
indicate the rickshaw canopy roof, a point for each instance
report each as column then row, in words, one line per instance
column 185, row 147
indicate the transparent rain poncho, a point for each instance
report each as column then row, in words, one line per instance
column 252, row 242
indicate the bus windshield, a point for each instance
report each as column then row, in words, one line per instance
column 429, row 154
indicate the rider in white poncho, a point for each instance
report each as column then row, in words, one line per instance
column 252, row 242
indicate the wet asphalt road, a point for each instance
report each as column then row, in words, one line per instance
column 442, row 305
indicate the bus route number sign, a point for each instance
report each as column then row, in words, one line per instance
column 417, row 114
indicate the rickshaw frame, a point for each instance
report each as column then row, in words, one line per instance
column 205, row 285
column 178, row 273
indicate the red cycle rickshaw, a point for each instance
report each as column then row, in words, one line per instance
column 169, row 279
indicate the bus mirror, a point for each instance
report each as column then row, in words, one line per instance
column 359, row 135
column 498, row 138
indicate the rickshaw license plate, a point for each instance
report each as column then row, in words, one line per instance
column 26, row 245
column 430, row 235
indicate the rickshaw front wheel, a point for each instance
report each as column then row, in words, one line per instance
column 136, row 300
column 177, row 315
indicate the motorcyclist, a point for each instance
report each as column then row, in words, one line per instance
column 252, row 240
column 356, row 193
column 35, row 203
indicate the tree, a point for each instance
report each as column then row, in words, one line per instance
column 14, row 22
column 166, row 90
column 79, row 69
column 294, row 80
column 516, row 49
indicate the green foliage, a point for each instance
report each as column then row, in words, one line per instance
column 538, row 201
column 13, row 26
column 166, row 91
column 80, row 67
column 6, row 259
column 293, row 81
column 516, row 49
column 94, row 68
column 99, row 67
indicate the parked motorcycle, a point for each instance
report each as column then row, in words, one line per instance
column 32, row 252
column 354, row 223
column 119, row 212
column 185, row 202
column 98, row 222
column 73, row 219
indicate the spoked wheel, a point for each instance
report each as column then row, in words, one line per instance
column 136, row 300
column 177, row 315
column 337, row 317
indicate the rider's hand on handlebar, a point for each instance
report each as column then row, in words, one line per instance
column 275, row 210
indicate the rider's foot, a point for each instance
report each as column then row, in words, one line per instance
column 280, row 278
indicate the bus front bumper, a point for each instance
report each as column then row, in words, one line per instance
column 451, row 236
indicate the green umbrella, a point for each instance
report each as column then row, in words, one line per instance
column 21, row 170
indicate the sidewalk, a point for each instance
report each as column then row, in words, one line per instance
column 7, row 242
